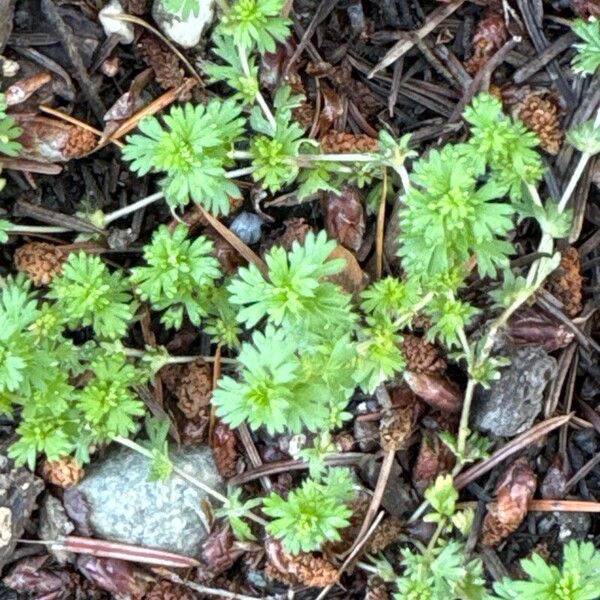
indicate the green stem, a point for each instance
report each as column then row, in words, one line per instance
column 463, row 429
column 189, row 478
column 306, row 159
column 404, row 177
column 240, row 172
column 259, row 97
column 434, row 537
column 583, row 161
column 172, row 360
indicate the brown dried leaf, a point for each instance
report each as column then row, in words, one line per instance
column 377, row 589
column 338, row 142
column 332, row 108
column 64, row 472
column 40, row 261
column 513, row 493
column 352, row 279
column 396, row 426
column 32, row 575
column 541, row 115
column 219, row 552
column 163, row 61
column 529, row 326
column 438, row 391
column 118, row 577
column 168, row 590
column 225, row 452
column 345, row 217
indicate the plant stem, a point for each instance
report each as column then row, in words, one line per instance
column 240, row 154
column 22, row 229
column 435, row 536
column 583, row 161
column 121, row 212
column 135, row 353
column 341, row 157
column 240, row 172
column 189, row 478
column 463, row 429
column 404, row 178
column 259, row 97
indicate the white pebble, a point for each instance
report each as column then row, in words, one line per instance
column 111, row 25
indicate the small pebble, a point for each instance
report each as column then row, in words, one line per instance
column 114, row 26
column 247, row 226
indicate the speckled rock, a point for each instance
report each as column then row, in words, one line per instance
column 126, row 507
column 512, row 403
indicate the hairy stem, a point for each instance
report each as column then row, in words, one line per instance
column 259, row 97
column 134, row 353
column 574, row 180
column 240, row 172
column 307, row 159
column 121, row 212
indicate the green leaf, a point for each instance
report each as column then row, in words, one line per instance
column 9, row 131
column 585, row 137
column 312, row 514
column 192, row 151
column 442, row 496
column 88, row 294
column 183, row 7
column 178, row 274
column 255, row 23
column 587, row 59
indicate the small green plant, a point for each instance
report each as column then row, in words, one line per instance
column 9, row 134
column 185, row 8
column 442, row 571
column 312, row 514
column 193, row 151
column 178, row 276
column 88, row 294
column 587, row 59
column 577, row 579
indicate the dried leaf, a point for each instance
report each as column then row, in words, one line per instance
column 529, row 326
column 78, row 510
column 490, row 35
column 438, row 391
column 421, row 355
column 513, row 493
column 32, row 575
column 219, row 552
column 352, row 278
column 345, row 217
column 332, row 108
column 115, row 576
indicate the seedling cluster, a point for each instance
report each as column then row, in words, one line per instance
column 303, row 345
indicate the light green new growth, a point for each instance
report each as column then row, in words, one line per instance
column 193, row 151
column 178, row 276
column 9, row 133
column 313, row 513
column 577, row 579
column 587, row 59
column 87, row 293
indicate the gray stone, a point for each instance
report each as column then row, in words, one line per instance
column 54, row 524
column 247, row 226
column 126, row 507
column 513, row 402
column 185, row 33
